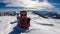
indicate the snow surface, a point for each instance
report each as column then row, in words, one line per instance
column 39, row 25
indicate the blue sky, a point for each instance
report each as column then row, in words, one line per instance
column 6, row 5
column 56, row 3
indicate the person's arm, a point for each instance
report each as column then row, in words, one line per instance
column 29, row 21
column 17, row 16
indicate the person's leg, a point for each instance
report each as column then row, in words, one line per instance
column 22, row 30
column 15, row 31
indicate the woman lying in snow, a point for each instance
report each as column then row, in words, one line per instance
column 23, row 23
column 23, row 20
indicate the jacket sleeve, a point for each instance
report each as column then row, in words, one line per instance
column 18, row 20
column 28, row 21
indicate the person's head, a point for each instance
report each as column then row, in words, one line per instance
column 23, row 14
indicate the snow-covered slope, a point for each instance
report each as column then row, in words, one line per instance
column 39, row 25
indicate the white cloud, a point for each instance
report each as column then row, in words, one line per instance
column 55, row 4
column 30, row 4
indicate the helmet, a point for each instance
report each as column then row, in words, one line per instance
column 23, row 13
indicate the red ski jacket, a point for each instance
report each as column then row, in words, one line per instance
column 24, row 23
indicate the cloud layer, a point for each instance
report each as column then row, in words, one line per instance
column 29, row 4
